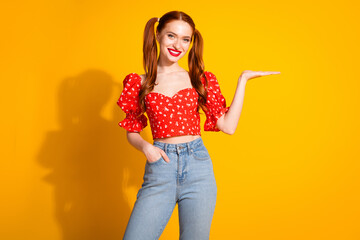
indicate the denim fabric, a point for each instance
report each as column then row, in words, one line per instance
column 188, row 179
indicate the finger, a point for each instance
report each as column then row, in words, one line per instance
column 166, row 158
column 266, row 73
column 272, row 72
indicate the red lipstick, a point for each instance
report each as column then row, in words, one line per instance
column 174, row 52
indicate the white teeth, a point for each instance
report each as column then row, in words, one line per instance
column 174, row 51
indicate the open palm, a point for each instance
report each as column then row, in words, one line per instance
column 248, row 74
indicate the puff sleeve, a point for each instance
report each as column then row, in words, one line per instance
column 128, row 101
column 215, row 103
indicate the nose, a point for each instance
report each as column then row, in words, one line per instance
column 177, row 44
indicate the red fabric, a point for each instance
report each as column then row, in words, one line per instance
column 215, row 103
column 135, row 121
column 170, row 115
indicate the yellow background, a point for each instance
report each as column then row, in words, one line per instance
column 291, row 170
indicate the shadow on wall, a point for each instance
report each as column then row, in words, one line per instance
column 91, row 163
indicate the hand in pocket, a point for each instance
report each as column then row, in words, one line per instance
column 154, row 154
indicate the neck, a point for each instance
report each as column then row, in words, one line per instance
column 167, row 67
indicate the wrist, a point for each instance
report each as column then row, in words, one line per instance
column 145, row 147
column 242, row 80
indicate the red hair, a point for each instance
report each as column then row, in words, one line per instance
column 195, row 60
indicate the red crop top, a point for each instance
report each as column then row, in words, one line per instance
column 170, row 116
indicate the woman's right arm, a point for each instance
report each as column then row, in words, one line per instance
column 137, row 141
column 151, row 152
column 135, row 119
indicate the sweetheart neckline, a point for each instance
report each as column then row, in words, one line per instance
column 172, row 95
column 164, row 94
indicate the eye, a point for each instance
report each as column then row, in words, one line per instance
column 170, row 35
column 187, row 40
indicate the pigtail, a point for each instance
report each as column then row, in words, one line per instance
column 149, row 60
column 150, row 48
column 196, row 68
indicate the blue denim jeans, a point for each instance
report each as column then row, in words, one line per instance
column 188, row 179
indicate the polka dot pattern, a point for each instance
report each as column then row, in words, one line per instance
column 170, row 115
column 135, row 121
column 173, row 116
column 215, row 103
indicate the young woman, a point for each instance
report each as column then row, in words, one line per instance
column 178, row 167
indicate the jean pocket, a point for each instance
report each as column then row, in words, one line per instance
column 200, row 153
column 161, row 159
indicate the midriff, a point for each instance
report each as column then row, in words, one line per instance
column 177, row 139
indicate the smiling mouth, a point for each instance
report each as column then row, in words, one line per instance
column 174, row 52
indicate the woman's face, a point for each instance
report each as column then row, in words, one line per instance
column 174, row 40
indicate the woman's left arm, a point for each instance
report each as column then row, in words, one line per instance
column 228, row 122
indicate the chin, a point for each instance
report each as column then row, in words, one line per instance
column 175, row 59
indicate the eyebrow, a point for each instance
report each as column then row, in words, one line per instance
column 176, row 34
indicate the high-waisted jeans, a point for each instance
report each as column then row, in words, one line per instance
column 188, row 179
